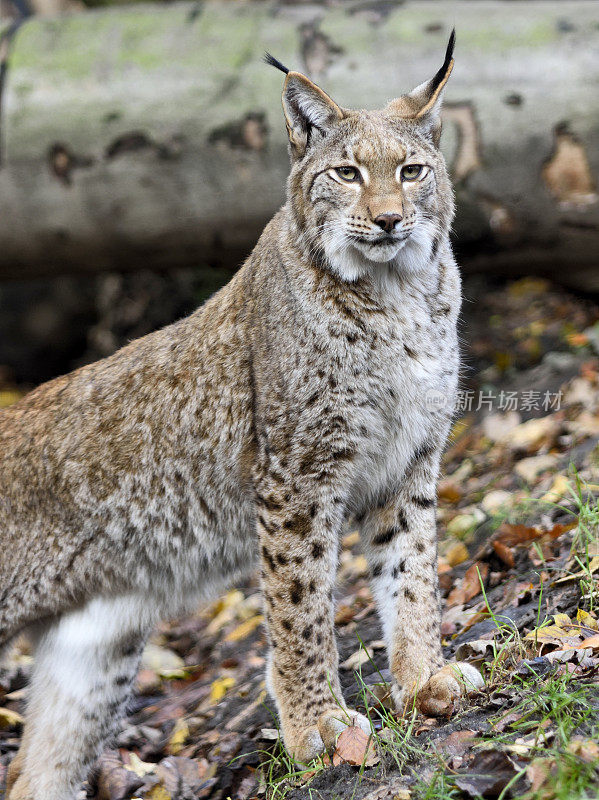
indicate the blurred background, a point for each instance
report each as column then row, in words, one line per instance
column 143, row 149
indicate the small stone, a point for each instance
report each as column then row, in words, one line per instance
column 560, row 362
column 498, row 426
column 531, row 434
column 581, row 391
column 495, row 500
column 462, row 473
column 461, row 525
column 529, row 468
column 160, row 659
column 558, row 489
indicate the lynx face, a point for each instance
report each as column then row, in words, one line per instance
column 370, row 190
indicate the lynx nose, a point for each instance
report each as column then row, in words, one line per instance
column 388, row 221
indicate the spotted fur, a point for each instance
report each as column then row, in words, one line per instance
column 292, row 400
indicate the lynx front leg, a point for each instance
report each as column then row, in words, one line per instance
column 299, row 561
column 401, row 542
column 84, row 665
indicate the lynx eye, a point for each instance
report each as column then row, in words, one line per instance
column 411, row 171
column 349, row 174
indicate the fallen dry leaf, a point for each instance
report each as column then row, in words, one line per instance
column 160, row 659
column 355, row 747
column 10, row 719
column 115, row 782
column 592, row 568
column 344, row 614
column 358, row 658
column 457, row 554
column 456, row 743
column 139, row 767
column 530, row 468
column 449, row 492
column 158, row 792
column 220, row 687
column 586, row 619
column 529, row 435
column 586, row 749
column 504, row 553
column 487, row 774
column 243, row 630
column 538, row 771
column 178, row 738
column 475, row 651
column 181, row 776
column 390, row 790
column 470, row 584
column 513, row 535
column 564, row 634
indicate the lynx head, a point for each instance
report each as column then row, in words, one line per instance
column 368, row 188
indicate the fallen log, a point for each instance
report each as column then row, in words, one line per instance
column 152, row 136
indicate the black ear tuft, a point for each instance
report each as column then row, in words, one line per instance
column 274, row 62
column 443, row 71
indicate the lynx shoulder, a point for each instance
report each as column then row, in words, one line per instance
column 248, row 433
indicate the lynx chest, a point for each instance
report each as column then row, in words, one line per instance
column 407, row 395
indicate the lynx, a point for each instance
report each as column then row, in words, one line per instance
column 293, row 400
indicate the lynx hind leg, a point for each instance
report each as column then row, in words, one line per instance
column 84, row 665
column 14, row 771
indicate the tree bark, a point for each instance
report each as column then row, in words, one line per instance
column 152, row 136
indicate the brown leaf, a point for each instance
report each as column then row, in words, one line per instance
column 457, row 554
column 506, row 720
column 344, row 614
column 456, row 743
column 449, row 492
column 355, row 747
column 586, row 749
column 504, row 553
column 182, row 776
column 476, row 650
column 538, row 772
column 470, row 585
column 487, row 774
column 114, row 781
column 513, row 535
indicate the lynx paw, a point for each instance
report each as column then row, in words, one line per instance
column 440, row 694
column 314, row 740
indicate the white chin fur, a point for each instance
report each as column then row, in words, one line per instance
column 379, row 253
column 352, row 261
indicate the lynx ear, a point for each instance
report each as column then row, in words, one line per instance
column 306, row 108
column 423, row 104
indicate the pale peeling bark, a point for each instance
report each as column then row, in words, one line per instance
column 153, row 135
